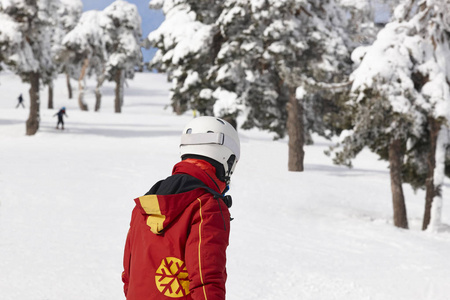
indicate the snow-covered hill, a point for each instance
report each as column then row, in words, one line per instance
column 66, row 198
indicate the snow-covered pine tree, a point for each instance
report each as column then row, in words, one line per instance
column 69, row 12
column 324, row 112
column 361, row 28
column 124, row 49
column 187, row 42
column 32, row 60
column 10, row 38
column 275, row 51
column 401, row 96
column 242, row 80
column 84, row 52
column 252, row 58
column 432, row 76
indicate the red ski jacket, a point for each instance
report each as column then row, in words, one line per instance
column 178, row 236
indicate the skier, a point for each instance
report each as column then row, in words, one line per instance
column 20, row 99
column 179, row 229
column 60, row 114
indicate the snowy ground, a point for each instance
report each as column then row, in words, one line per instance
column 66, row 198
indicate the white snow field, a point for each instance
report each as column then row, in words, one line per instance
column 66, row 199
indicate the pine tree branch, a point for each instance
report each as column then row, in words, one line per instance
column 337, row 87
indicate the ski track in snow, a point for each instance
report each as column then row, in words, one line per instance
column 66, row 199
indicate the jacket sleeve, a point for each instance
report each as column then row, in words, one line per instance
column 126, row 266
column 127, row 253
column 206, row 250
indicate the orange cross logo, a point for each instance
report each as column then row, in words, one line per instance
column 172, row 278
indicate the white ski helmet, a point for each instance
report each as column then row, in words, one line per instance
column 213, row 138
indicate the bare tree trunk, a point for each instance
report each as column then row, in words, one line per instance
column 177, row 108
column 50, row 95
column 431, row 192
column 81, row 103
column 69, row 86
column 439, row 175
column 398, row 199
column 119, row 91
column 98, row 93
column 295, row 128
column 32, row 124
column 230, row 119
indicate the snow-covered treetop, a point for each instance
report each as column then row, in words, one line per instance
column 69, row 13
column 35, row 24
column 88, row 35
column 124, row 14
column 9, row 32
column 294, row 35
column 180, row 34
column 86, row 41
column 165, row 5
column 17, row 5
column 362, row 5
column 109, row 39
column 124, row 29
column 408, row 63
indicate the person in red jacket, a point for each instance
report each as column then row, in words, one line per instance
column 179, row 230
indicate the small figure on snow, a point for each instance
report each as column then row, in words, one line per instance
column 60, row 114
column 180, row 228
column 20, row 99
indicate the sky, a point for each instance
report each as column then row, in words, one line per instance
column 151, row 19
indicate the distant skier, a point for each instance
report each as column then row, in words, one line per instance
column 20, row 99
column 60, row 114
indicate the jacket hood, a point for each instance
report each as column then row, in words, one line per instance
column 168, row 198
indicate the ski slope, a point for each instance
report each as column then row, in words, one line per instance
column 66, row 199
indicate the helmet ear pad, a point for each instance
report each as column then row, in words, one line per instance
column 231, row 162
column 220, row 170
